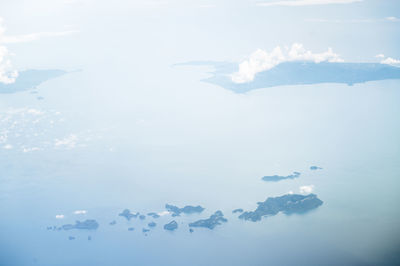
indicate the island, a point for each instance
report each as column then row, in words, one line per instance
column 131, row 228
column 152, row 224
column 113, row 223
column 288, row 204
column 315, row 167
column 237, row 210
column 29, row 79
column 276, row 178
column 85, row 225
column 216, row 219
column 142, row 217
column 171, row 226
column 298, row 73
column 176, row 211
column 128, row 215
column 145, row 230
column 153, row 214
column 71, row 238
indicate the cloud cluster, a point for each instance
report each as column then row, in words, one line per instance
column 68, row 142
column 80, row 212
column 388, row 60
column 307, row 2
column 261, row 60
column 306, row 189
column 7, row 75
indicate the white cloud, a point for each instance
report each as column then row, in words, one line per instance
column 307, row 2
column 8, row 147
column 7, row 75
column 391, row 61
column 163, row 213
column 60, row 216
column 34, row 112
column 80, row 212
column 33, row 36
column 380, row 56
column 261, row 60
column 25, row 150
column 68, row 142
column 393, row 19
column 306, row 189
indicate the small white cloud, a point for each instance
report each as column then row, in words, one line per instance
column 7, row 147
column 25, row 150
column 306, row 189
column 261, row 60
column 391, row 61
column 60, row 216
column 290, row 192
column 34, row 112
column 80, row 212
column 380, row 56
column 68, row 142
column 393, row 19
column 163, row 213
column 307, row 2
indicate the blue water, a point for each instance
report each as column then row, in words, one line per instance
column 204, row 146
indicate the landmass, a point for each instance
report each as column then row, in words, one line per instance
column 152, row 224
column 315, row 167
column 171, row 226
column 288, row 204
column 29, row 79
column 113, row 223
column 128, row 215
column 153, row 214
column 216, row 219
column 85, row 225
column 276, row 178
column 237, row 210
column 131, row 228
column 176, row 211
column 299, row 73
column 142, row 217
column 145, row 230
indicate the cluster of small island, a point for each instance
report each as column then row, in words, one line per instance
column 287, row 204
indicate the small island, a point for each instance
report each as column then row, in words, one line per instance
column 152, row 224
column 237, row 210
column 315, row 167
column 276, row 178
column 153, row 214
column 85, row 225
column 176, row 211
column 288, row 204
column 128, row 215
column 216, row 219
column 171, row 226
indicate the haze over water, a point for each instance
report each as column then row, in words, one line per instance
column 127, row 128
